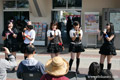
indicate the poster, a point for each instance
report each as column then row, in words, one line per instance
column 40, row 29
column 91, row 22
column 115, row 19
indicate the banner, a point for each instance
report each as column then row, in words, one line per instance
column 91, row 22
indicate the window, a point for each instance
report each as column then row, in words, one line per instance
column 59, row 3
column 66, row 4
column 9, row 4
column 22, row 4
column 74, row 3
column 15, row 4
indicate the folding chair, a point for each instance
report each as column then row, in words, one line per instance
column 31, row 76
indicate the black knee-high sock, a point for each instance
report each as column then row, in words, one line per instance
column 109, row 66
column 77, row 63
column 70, row 63
column 101, row 66
column 25, row 57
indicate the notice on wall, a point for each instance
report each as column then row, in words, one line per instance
column 115, row 19
column 40, row 29
column 91, row 22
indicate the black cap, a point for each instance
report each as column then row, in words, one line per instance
column 30, row 26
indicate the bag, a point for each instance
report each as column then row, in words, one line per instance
column 105, row 75
column 94, row 69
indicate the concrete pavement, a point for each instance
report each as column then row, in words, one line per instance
column 90, row 55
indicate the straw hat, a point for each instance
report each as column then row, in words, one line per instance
column 57, row 66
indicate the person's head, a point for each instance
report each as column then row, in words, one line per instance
column 29, row 27
column 10, row 24
column 57, row 66
column 29, row 23
column 76, row 25
column 54, row 25
column 30, row 49
column 110, row 27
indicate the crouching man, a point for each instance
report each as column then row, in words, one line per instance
column 6, row 64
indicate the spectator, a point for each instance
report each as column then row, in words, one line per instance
column 30, row 65
column 56, row 68
column 5, row 64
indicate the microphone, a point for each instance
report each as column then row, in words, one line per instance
column 105, row 30
column 54, row 32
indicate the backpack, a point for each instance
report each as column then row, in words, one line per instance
column 94, row 69
column 105, row 75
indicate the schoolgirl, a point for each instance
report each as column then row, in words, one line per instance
column 54, row 36
column 76, row 46
column 107, row 49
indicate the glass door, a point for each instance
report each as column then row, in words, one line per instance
column 65, row 19
column 18, row 18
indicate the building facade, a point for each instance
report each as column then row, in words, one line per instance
column 44, row 11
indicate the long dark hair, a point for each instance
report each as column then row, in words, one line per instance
column 8, row 22
column 111, row 27
column 53, row 23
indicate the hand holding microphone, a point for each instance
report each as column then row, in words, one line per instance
column 7, row 34
column 78, row 32
column 54, row 32
column 104, row 31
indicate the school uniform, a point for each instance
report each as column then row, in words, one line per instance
column 55, row 44
column 108, row 47
column 76, row 45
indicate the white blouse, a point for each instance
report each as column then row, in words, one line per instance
column 73, row 31
column 57, row 32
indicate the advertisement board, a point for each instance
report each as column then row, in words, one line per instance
column 41, row 30
column 91, row 22
column 115, row 19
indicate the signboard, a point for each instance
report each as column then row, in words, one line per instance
column 115, row 19
column 91, row 22
column 40, row 29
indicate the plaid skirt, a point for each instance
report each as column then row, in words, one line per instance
column 54, row 48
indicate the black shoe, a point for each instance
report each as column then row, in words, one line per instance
column 77, row 72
